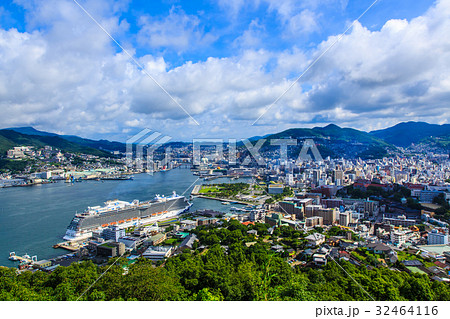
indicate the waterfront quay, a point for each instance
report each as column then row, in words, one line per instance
column 34, row 219
column 231, row 201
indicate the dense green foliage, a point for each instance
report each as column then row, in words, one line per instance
column 226, row 269
column 396, row 193
column 241, row 274
column 442, row 212
column 13, row 166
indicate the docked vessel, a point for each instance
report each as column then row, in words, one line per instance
column 125, row 214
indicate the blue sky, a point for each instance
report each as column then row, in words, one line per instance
column 224, row 63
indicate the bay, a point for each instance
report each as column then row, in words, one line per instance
column 33, row 219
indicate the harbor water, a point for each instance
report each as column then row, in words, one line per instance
column 33, row 219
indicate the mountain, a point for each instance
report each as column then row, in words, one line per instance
column 335, row 141
column 103, row 145
column 28, row 130
column 256, row 138
column 9, row 139
column 100, row 144
column 406, row 133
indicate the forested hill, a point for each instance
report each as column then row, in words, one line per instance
column 227, row 269
column 242, row 274
column 10, row 139
column 103, row 145
column 335, row 141
column 404, row 134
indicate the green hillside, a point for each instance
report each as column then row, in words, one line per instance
column 100, row 144
column 404, row 134
column 9, row 139
column 335, row 141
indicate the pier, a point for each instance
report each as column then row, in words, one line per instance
column 233, row 201
column 196, row 190
column 25, row 258
column 70, row 246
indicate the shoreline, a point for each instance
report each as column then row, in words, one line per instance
column 225, row 200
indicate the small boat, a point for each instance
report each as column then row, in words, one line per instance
column 225, row 203
column 12, row 256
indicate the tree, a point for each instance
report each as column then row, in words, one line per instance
column 208, row 295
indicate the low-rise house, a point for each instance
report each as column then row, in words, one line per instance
column 344, row 255
column 277, row 248
column 131, row 241
column 253, row 232
column 379, row 248
column 157, row 253
column 442, row 265
column 320, row 259
column 188, row 224
column 188, row 242
column 344, row 243
column 308, row 252
column 42, row 264
column 412, row 263
column 393, row 258
column 155, row 240
column 334, row 252
column 315, row 239
column 437, row 271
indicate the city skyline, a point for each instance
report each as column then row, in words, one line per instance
column 225, row 63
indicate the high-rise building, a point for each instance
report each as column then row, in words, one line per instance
column 345, row 218
column 338, row 177
column 329, row 215
column 438, row 238
column 398, row 237
column 113, row 233
column 332, row 203
column 292, row 208
column 290, row 179
column 314, row 221
column 311, row 210
column 316, row 176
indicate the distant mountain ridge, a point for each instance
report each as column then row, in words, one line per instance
column 10, row 139
column 332, row 140
column 335, row 141
column 406, row 133
column 28, row 130
column 103, row 145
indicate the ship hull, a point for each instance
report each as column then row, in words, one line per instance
column 82, row 228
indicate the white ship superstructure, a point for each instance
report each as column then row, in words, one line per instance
column 125, row 214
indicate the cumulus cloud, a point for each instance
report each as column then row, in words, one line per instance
column 400, row 71
column 177, row 30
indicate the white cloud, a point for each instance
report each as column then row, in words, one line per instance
column 178, row 31
column 68, row 76
column 401, row 70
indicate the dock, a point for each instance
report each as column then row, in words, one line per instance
column 25, row 258
column 196, row 190
column 231, row 201
column 68, row 246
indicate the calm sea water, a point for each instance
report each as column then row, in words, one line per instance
column 32, row 219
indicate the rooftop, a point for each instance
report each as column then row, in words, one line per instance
column 435, row 249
